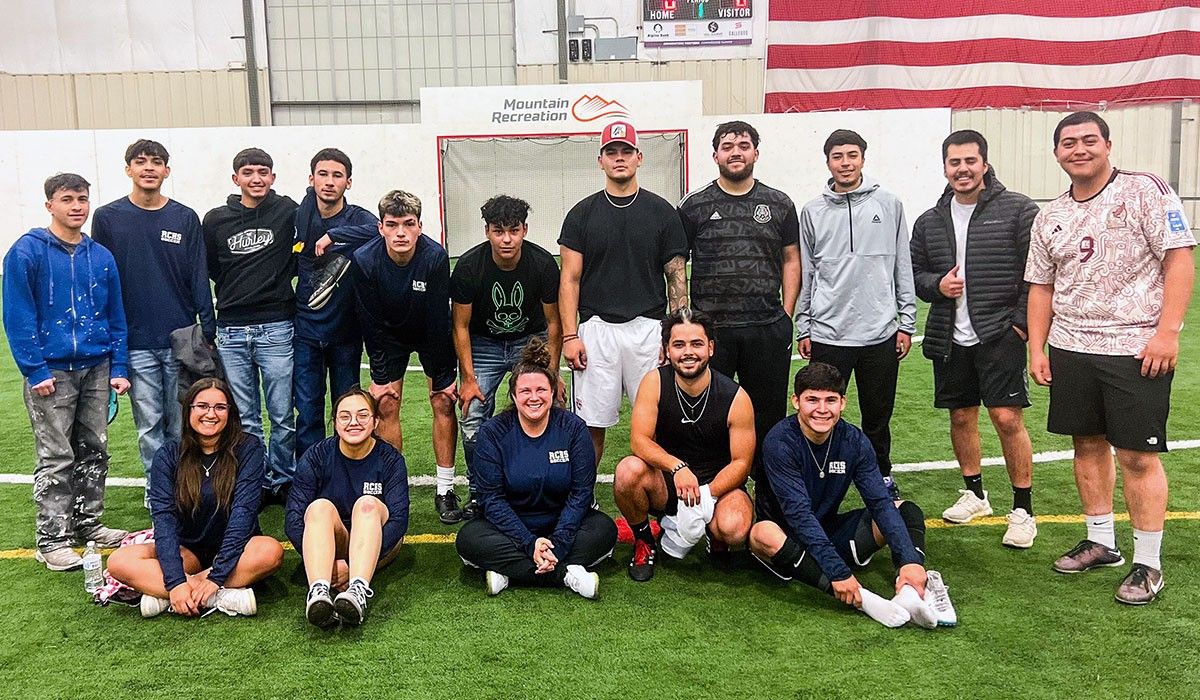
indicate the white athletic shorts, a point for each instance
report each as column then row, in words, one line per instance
column 618, row 356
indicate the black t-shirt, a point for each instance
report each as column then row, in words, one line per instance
column 737, row 246
column 625, row 242
column 505, row 304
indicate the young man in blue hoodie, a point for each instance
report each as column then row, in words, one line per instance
column 248, row 242
column 66, row 328
column 329, row 344
column 159, row 248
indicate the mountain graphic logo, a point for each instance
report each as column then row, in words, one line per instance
column 592, row 107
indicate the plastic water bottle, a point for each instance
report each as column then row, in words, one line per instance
column 93, row 576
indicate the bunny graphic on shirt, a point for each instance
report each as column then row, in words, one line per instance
column 509, row 318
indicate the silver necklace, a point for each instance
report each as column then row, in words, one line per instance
column 701, row 403
column 820, row 465
column 622, row 206
column 207, row 464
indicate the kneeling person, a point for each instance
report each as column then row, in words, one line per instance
column 347, row 511
column 801, row 535
column 204, row 495
column 535, row 476
column 692, row 434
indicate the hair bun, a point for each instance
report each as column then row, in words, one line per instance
column 536, row 352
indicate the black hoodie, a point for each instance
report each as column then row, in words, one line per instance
column 250, row 259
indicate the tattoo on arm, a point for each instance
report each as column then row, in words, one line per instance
column 677, row 289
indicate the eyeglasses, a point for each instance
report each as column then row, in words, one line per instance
column 206, row 407
column 346, row 418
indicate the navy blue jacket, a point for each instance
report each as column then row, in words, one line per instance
column 163, row 267
column 335, row 322
column 63, row 310
column 324, row 472
column 405, row 305
column 536, row 487
column 211, row 528
column 809, row 503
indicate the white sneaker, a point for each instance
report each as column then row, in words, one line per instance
column 967, row 507
column 351, row 604
column 495, row 582
column 1022, row 529
column 585, row 583
column 937, row 594
column 920, row 611
column 60, row 559
column 233, row 601
column 152, row 607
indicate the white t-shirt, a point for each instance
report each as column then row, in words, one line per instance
column 964, row 333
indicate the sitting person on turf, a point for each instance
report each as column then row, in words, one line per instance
column 204, row 495
column 534, row 475
column 800, row 533
column 348, row 511
column 692, row 435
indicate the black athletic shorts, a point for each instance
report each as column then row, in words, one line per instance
column 437, row 360
column 991, row 373
column 672, row 506
column 1107, row 395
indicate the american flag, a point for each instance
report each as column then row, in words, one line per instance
column 887, row 54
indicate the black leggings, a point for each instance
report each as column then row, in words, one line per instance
column 482, row 545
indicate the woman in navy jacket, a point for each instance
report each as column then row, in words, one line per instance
column 534, row 473
column 204, row 494
column 347, row 512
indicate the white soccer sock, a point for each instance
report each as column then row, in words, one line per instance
column 882, row 610
column 365, row 583
column 1100, row 529
column 318, row 582
column 921, row 613
column 445, row 480
column 1146, row 546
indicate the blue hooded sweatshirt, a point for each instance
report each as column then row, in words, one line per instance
column 62, row 308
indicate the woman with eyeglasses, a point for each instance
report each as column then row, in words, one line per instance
column 204, row 494
column 347, row 512
column 534, row 475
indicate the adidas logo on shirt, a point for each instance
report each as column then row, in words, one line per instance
column 418, row 285
column 876, row 220
column 715, row 217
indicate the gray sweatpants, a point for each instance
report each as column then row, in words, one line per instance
column 70, row 434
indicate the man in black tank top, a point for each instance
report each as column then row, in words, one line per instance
column 692, row 436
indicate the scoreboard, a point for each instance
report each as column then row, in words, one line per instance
column 696, row 22
column 692, row 10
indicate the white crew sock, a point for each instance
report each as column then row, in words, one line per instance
column 1100, row 529
column 319, row 581
column 445, row 480
column 365, row 583
column 921, row 613
column 882, row 610
column 1146, row 546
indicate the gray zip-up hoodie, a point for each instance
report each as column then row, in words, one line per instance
column 857, row 287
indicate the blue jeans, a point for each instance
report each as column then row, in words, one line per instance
column 154, row 395
column 314, row 363
column 492, row 359
column 264, row 349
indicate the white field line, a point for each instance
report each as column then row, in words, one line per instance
column 916, row 340
column 425, row 480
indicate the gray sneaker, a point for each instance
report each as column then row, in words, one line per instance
column 1088, row 555
column 106, row 537
column 61, row 559
column 1141, row 586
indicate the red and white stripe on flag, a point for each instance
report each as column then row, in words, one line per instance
column 889, row 54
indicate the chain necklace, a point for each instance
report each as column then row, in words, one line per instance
column 627, row 204
column 207, row 462
column 820, row 464
column 701, row 402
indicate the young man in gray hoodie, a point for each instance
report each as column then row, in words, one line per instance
column 857, row 308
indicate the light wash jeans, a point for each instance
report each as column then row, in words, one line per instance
column 492, row 359
column 265, row 350
column 154, row 395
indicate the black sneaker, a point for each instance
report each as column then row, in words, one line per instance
column 1088, row 555
column 351, row 604
column 472, row 510
column 447, row 508
column 327, row 279
column 319, row 608
column 641, row 566
column 1141, row 585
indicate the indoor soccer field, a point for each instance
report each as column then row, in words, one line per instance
column 700, row 628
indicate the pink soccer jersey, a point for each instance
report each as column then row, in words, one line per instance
column 1104, row 258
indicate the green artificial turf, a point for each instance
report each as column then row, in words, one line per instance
column 700, row 628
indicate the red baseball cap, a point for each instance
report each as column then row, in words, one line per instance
column 618, row 132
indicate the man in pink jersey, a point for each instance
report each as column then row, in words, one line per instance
column 1110, row 270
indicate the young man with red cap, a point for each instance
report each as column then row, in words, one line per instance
column 617, row 246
